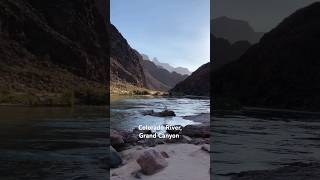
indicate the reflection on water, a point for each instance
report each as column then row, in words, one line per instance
column 53, row 143
column 126, row 112
column 243, row 143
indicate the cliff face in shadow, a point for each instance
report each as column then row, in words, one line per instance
column 282, row 70
column 52, row 47
column 198, row 83
column 234, row 30
column 130, row 67
column 126, row 63
column 223, row 52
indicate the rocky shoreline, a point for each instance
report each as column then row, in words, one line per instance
column 147, row 158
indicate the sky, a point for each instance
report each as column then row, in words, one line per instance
column 262, row 15
column 175, row 31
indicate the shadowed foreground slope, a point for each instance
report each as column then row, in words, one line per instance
column 53, row 52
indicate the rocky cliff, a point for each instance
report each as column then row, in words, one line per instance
column 223, row 52
column 126, row 63
column 51, row 47
column 282, row 70
column 128, row 67
column 198, row 83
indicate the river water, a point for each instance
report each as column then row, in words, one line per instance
column 126, row 112
column 53, row 143
column 260, row 142
column 71, row 143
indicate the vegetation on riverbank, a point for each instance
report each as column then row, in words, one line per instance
column 69, row 97
column 121, row 88
column 45, row 84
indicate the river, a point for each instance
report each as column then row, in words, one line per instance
column 53, row 143
column 71, row 143
column 126, row 112
column 262, row 141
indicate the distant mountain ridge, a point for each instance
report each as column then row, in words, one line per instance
column 234, row 30
column 160, row 78
column 282, row 70
column 180, row 70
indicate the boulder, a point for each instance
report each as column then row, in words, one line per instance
column 176, row 129
column 132, row 139
column 148, row 112
column 116, row 139
column 115, row 158
column 141, row 142
column 196, row 131
column 151, row 161
column 137, row 131
column 165, row 113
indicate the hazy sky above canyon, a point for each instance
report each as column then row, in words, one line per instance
column 262, row 15
column 175, row 31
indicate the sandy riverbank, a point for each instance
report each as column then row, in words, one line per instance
column 188, row 156
column 185, row 162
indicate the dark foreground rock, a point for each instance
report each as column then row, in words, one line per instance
column 137, row 131
column 115, row 159
column 295, row 171
column 190, row 134
column 116, row 139
column 175, row 129
column 164, row 113
column 151, row 161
